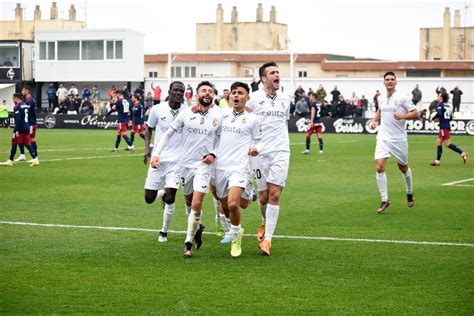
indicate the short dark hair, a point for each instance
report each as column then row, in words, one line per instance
column 18, row 96
column 176, row 82
column 119, row 92
column 389, row 73
column 27, row 89
column 262, row 69
column 445, row 96
column 238, row 84
column 137, row 96
column 204, row 83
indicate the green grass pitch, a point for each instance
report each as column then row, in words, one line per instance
column 52, row 270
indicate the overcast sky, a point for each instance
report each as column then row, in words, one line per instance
column 365, row 28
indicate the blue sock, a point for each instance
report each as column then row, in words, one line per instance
column 31, row 150
column 127, row 140
column 455, row 148
column 321, row 143
column 439, row 153
column 35, row 148
column 117, row 142
column 13, row 151
column 308, row 143
column 22, row 149
column 132, row 138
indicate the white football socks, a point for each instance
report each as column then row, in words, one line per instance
column 272, row 213
column 408, row 181
column 167, row 216
column 225, row 222
column 217, row 206
column 235, row 231
column 382, row 184
column 193, row 226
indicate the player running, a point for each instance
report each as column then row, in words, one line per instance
column 315, row 126
column 21, row 133
column 240, row 137
column 394, row 109
column 163, row 182
column 137, row 118
column 271, row 165
column 200, row 134
column 444, row 114
column 123, row 109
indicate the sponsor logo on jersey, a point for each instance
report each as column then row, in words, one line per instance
column 214, row 121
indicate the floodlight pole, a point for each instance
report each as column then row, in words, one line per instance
column 291, row 72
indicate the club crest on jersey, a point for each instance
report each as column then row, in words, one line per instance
column 244, row 120
column 202, row 120
column 214, row 121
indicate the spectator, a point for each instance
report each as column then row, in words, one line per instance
column 73, row 90
column 456, row 92
column 364, row 105
column 139, row 91
column 189, row 94
column 95, row 94
column 423, row 115
column 335, row 95
column 416, row 95
column 51, row 92
column 61, row 94
column 14, row 61
column 224, row 101
column 376, row 100
column 126, row 92
column 254, row 85
column 433, row 106
column 156, row 93
column 86, row 107
column 299, row 92
column 354, row 104
column 149, row 100
column 111, row 92
column 7, row 62
column 103, row 109
column 302, row 108
column 86, row 93
column 321, row 95
column 4, row 114
column 341, row 107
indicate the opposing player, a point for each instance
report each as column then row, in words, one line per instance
column 123, row 109
column 315, row 126
column 271, row 165
column 444, row 114
column 394, row 109
column 200, row 134
column 21, row 133
column 240, row 137
column 164, row 181
column 30, row 101
column 137, row 118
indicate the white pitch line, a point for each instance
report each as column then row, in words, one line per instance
column 409, row 242
column 348, row 141
column 460, row 181
column 79, row 149
column 90, row 157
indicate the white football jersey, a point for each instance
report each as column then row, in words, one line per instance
column 390, row 129
column 239, row 131
column 273, row 112
column 160, row 119
column 200, row 132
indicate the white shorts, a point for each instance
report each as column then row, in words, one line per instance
column 271, row 168
column 165, row 176
column 196, row 179
column 225, row 179
column 399, row 150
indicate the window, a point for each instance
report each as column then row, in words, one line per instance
column 110, row 49
column 190, row 71
column 118, row 49
column 47, row 50
column 51, row 50
column 9, row 55
column 193, row 72
column 92, row 50
column 302, row 73
column 153, row 74
column 423, row 73
column 68, row 50
column 186, row 72
column 176, row 71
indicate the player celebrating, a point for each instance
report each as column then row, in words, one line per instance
column 315, row 126
column 21, row 133
column 444, row 115
column 394, row 109
column 200, row 133
column 240, row 130
column 167, row 175
column 123, row 109
column 271, row 165
column 137, row 118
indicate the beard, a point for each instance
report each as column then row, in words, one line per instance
column 203, row 101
